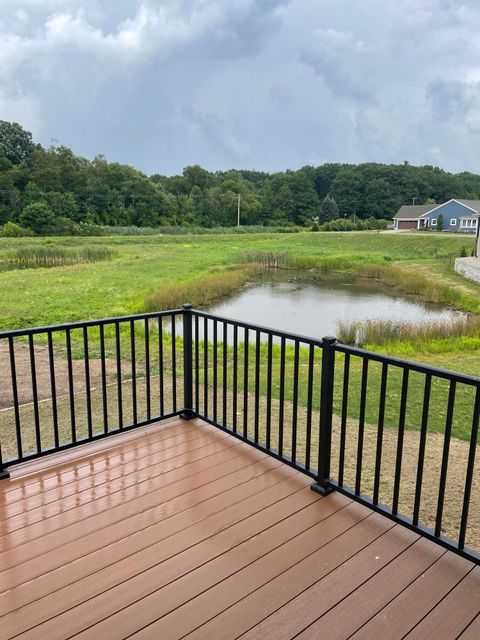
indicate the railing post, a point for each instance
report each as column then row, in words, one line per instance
column 187, row 413
column 322, row 485
column 3, row 471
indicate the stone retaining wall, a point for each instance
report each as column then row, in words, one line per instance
column 469, row 268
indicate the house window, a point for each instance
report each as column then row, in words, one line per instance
column 453, row 222
column 468, row 223
column 434, row 222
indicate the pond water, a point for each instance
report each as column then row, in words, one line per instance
column 313, row 308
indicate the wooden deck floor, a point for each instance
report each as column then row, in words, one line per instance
column 180, row 530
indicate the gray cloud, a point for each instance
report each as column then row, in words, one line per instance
column 268, row 84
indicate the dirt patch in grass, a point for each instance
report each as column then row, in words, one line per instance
column 42, row 367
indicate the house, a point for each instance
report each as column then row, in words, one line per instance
column 457, row 215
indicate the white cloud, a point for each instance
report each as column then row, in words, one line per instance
column 263, row 83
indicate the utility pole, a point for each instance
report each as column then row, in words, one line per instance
column 238, row 210
column 413, row 201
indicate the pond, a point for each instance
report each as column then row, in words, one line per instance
column 314, row 307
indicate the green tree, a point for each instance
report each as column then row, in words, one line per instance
column 329, row 209
column 347, row 190
column 440, row 223
column 38, row 217
column 15, row 143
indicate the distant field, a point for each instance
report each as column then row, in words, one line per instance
column 143, row 265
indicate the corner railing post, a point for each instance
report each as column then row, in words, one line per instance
column 3, row 471
column 322, row 485
column 187, row 412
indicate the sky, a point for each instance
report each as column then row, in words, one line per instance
column 259, row 84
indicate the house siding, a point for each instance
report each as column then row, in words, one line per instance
column 451, row 212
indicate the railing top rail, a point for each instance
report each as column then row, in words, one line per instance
column 463, row 378
column 87, row 323
column 262, row 329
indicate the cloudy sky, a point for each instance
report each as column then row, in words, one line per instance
column 265, row 84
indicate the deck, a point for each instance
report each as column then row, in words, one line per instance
column 180, row 530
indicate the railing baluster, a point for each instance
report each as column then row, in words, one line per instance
column 86, row 359
column 281, row 396
column 268, row 425
column 421, row 447
column 224, row 381
column 205, row 367
column 197, row 366
column 257, row 386
column 16, row 409
column 308, row 427
column 446, row 450
column 161, row 367
column 245, row 384
column 71, row 390
column 174, row 364
column 118, row 357
column 401, row 432
column 133, row 357
column 215, row 369
column 53, row 388
column 147, row 370
column 470, row 469
column 380, row 427
column 361, row 428
column 235, row 378
column 36, row 414
column 343, row 422
column 104, row 379
column 295, row 401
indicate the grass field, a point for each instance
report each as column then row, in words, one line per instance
column 141, row 266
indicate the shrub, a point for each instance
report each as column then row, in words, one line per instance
column 38, row 217
column 13, row 230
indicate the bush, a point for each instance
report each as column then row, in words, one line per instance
column 38, row 217
column 13, row 230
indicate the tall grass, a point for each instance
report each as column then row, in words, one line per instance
column 379, row 332
column 36, row 257
column 105, row 230
column 202, row 291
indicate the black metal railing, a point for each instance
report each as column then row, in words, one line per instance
column 74, row 383
column 398, row 436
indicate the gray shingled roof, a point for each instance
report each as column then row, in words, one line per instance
column 414, row 211
column 419, row 210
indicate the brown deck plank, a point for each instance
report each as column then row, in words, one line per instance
column 322, row 544
column 172, row 483
column 148, row 538
column 282, row 544
column 127, row 461
column 472, row 632
column 325, row 593
column 399, row 617
column 70, row 507
column 141, row 573
column 73, row 463
column 92, row 553
column 450, row 617
column 346, row 617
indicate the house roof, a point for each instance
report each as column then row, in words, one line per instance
column 414, row 211
column 408, row 211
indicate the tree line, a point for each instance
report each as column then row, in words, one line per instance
column 52, row 189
